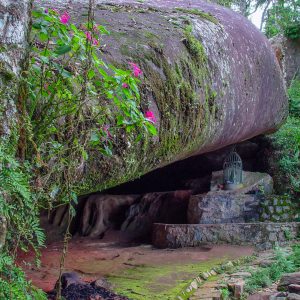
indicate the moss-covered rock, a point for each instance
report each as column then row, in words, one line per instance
column 13, row 44
column 209, row 76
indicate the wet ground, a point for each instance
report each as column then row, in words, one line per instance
column 138, row 271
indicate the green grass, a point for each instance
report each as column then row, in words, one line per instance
column 287, row 143
column 284, row 263
column 158, row 282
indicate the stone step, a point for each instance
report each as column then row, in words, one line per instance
column 262, row 235
column 206, row 293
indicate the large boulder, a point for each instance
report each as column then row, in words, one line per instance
column 209, row 75
column 238, row 206
column 223, row 207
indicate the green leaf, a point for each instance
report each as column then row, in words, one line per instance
column 63, row 49
column 152, row 129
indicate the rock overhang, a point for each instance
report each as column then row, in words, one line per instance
column 210, row 76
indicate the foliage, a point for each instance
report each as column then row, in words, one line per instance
column 13, row 284
column 225, row 294
column 76, row 103
column 21, row 210
column 73, row 90
column 294, row 98
column 20, row 206
column 287, row 141
column 284, row 263
column 284, row 17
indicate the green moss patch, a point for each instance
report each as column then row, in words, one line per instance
column 158, row 282
column 200, row 13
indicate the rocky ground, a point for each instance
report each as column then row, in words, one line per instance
column 135, row 271
column 232, row 282
column 73, row 288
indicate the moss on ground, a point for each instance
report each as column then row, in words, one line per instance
column 158, row 282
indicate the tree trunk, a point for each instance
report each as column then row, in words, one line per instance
column 14, row 25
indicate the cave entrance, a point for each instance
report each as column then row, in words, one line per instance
column 129, row 210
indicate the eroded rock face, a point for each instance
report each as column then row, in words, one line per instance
column 209, row 87
column 2, row 231
column 102, row 212
column 288, row 54
column 14, row 20
column 169, row 208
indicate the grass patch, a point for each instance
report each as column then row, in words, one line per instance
column 284, row 263
column 158, row 282
column 287, row 145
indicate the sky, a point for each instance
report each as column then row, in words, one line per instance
column 256, row 17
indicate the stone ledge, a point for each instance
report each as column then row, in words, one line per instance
column 261, row 235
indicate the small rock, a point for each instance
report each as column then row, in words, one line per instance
column 239, row 289
column 213, row 273
column 278, row 296
column 194, row 284
column 241, row 274
column 288, row 279
column 259, row 297
column 293, row 296
column 228, row 265
column 204, row 276
column 69, row 278
column 294, row 288
column 199, row 280
column 102, row 283
column 266, row 263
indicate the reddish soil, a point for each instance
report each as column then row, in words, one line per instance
column 93, row 259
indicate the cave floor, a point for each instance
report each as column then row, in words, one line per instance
column 137, row 271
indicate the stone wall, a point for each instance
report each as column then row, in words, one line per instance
column 261, row 235
column 276, row 208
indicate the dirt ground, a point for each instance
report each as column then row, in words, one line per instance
column 120, row 262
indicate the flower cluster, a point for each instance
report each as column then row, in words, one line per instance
column 149, row 115
column 65, row 18
column 135, row 69
column 88, row 35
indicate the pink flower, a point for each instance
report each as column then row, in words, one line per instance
column 107, row 132
column 125, row 85
column 65, row 18
column 95, row 42
column 136, row 70
column 88, row 35
column 149, row 115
